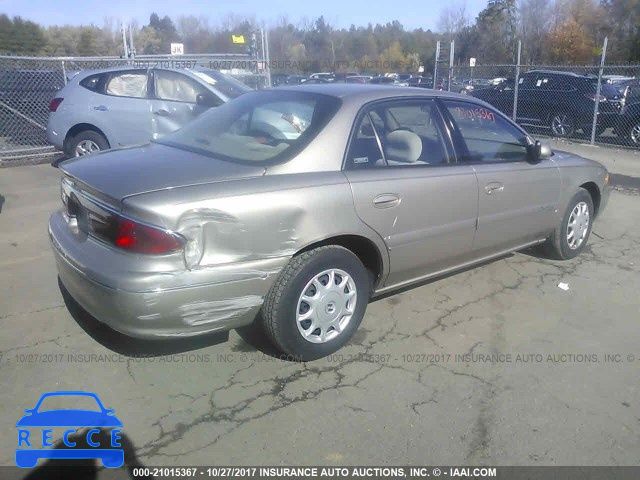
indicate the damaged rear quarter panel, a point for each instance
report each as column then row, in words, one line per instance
column 257, row 218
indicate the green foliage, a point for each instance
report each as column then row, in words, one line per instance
column 561, row 31
column 20, row 37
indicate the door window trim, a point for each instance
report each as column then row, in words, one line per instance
column 111, row 75
column 152, row 86
column 396, row 101
column 461, row 144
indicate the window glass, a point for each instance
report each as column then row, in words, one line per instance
column 225, row 84
column 489, row 137
column 257, row 127
column 175, row 86
column 398, row 134
column 91, row 82
column 128, row 84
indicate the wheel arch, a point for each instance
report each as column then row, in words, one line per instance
column 81, row 127
column 362, row 247
column 595, row 194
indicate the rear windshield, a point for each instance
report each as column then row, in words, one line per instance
column 260, row 127
column 225, row 84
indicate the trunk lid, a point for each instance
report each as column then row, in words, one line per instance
column 117, row 174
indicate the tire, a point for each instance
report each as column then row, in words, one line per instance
column 633, row 134
column 561, row 245
column 562, row 124
column 284, row 309
column 88, row 142
column 599, row 130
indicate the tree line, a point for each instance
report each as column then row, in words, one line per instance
column 551, row 31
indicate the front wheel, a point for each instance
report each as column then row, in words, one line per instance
column 317, row 303
column 562, row 125
column 570, row 237
column 634, row 134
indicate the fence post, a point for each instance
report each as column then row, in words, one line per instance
column 516, row 83
column 267, row 59
column 64, row 73
column 435, row 65
column 452, row 50
column 598, row 90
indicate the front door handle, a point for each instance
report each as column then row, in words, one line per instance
column 493, row 187
column 161, row 113
column 101, row 108
column 386, row 200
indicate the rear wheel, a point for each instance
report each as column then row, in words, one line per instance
column 562, row 124
column 317, row 303
column 570, row 237
column 86, row 143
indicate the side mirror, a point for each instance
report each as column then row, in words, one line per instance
column 539, row 151
column 208, row 100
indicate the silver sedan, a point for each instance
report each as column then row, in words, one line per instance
column 292, row 208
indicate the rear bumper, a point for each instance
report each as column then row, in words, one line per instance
column 173, row 304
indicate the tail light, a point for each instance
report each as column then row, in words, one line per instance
column 139, row 238
column 593, row 97
column 55, row 103
column 135, row 237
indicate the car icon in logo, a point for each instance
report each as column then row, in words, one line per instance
column 36, row 427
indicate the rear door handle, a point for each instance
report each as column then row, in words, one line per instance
column 386, row 200
column 162, row 113
column 101, row 108
column 493, row 187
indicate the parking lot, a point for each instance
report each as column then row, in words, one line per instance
column 491, row 366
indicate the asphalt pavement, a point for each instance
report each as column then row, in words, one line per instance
column 495, row 365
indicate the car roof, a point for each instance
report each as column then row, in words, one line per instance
column 568, row 74
column 370, row 92
column 85, row 73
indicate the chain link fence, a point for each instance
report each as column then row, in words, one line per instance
column 553, row 100
column 28, row 84
column 583, row 102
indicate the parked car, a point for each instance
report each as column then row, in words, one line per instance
column 615, row 80
column 343, row 76
column 384, row 81
column 560, row 101
column 473, row 84
column 457, row 86
column 322, row 76
column 627, row 127
column 123, row 106
column 422, row 82
column 358, row 79
column 297, row 205
column 278, row 79
column 295, row 79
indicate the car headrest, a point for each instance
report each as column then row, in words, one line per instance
column 402, row 146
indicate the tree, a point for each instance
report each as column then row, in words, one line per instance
column 20, row 37
column 454, row 19
column 88, row 43
column 570, row 43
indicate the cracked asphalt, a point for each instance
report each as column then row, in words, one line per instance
column 491, row 366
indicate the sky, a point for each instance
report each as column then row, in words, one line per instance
column 339, row 13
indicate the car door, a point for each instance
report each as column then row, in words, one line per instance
column 407, row 187
column 173, row 101
column 518, row 199
column 123, row 107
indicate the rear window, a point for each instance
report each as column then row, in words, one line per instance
column 91, row 82
column 225, row 84
column 259, row 127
